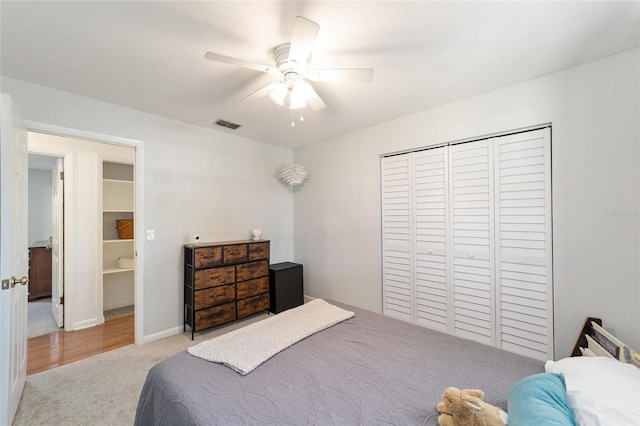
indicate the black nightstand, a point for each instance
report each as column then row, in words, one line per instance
column 285, row 286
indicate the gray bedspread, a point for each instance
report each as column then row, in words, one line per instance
column 368, row 370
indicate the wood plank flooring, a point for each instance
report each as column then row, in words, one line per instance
column 60, row 348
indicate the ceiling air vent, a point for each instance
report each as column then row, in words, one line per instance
column 227, row 124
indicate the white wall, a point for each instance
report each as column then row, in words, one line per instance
column 196, row 180
column 594, row 110
column 40, row 199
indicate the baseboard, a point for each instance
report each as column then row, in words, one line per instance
column 161, row 335
column 117, row 305
column 79, row 325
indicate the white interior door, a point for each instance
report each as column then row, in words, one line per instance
column 397, row 237
column 523, row 243
column 57, row 242
column 14, row 263
column 431, row 218
column 472, row 259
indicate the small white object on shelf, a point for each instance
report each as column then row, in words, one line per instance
column 125, row 262
column 256, row 234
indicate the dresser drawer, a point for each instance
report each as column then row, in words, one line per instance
column 259, row 250
column 251, row 270
column 207, row 256
column 214, row 316
column 235, row 253
column 215, row 296
column 252, row 305
column 253, row 287
column 214, row 277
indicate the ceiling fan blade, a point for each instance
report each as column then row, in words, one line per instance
column 314, row 101
column 240, row 62
column 261, row 93
column 305, row 32
column 351, row 75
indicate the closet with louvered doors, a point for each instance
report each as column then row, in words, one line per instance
column 467, row 240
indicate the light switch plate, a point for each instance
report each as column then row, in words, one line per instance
column 151, row 234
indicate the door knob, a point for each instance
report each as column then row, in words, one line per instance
column 15, row 281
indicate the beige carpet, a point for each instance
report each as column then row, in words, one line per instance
column 104, row 389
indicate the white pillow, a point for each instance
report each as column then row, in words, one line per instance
column 601, row 391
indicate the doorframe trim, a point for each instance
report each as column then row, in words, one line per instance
column 138, row 146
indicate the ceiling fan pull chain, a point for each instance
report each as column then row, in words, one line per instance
column 293, row 123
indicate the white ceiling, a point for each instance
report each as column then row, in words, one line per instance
column 149, row 55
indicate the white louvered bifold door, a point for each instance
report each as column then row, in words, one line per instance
column 523, row 243
column 472, row 252
column 397, row 237
column 430, row 199
column 466, row 233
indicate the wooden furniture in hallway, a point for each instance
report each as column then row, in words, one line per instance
column 39, row 270
column 60, row 348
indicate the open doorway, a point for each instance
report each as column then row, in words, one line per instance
column 83, row 170
column 46, row 248
column 94, row 169
column 44, row 230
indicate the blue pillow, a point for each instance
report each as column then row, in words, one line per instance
column 540, row 399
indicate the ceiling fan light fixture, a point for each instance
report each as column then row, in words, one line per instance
column 278, row 93
column 298, row 95
column 293, row 65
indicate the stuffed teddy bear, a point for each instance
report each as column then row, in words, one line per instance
column 466, row 408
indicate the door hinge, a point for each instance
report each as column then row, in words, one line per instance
column 62, row 300
column 61, row 175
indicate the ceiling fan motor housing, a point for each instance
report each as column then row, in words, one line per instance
column 291, row 69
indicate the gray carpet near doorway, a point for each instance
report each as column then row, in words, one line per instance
column 40, row 319
column 103, row 389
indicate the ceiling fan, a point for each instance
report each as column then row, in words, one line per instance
column 292, row 65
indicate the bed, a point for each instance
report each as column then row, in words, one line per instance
column 370, row 369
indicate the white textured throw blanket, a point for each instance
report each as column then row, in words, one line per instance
column 246, row 348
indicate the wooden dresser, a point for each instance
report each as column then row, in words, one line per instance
column 224, row 281
column 40, row 270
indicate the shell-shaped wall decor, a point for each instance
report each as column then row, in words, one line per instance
column 294, row 174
